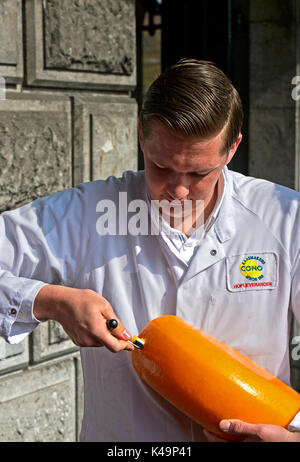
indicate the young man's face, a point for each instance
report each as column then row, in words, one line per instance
column 181, row 169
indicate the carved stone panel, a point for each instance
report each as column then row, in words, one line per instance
column 39, row 404
column 13, row 356
column 50, row 340
column 81, row 43
column 11, row 46
column 105, row 137
column 35, row 148
column 89, row 36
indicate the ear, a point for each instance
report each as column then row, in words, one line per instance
column 234, row 148
column 140, row 133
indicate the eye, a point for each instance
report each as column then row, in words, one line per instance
column 199, row 175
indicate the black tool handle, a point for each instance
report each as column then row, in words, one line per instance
column 111, row 324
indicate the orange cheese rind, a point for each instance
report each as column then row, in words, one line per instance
column 208, row 380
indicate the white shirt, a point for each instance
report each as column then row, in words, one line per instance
column 55, row 240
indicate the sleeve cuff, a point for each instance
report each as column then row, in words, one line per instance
column 22, row 321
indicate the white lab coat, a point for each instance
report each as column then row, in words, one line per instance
column 55, row 240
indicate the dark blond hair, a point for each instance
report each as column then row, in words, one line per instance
column 195, row 99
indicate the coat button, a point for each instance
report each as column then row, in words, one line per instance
column 213, row 252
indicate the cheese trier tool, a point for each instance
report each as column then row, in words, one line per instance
column 137, row 342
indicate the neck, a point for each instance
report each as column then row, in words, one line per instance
column 188, row 224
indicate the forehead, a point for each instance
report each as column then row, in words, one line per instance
column 166, row 147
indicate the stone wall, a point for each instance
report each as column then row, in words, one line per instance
column 68, row 117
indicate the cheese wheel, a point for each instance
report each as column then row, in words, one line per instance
column 209, row 381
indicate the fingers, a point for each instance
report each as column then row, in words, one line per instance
column 118, row 335
column 115, row 345
column 117, row 329
column 255, row 432
column 115, row 338
column 85, row 319
column 237, row 426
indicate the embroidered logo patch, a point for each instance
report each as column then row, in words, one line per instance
column 252, row 271
column 252, row 267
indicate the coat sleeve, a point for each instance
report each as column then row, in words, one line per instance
column 38, row 245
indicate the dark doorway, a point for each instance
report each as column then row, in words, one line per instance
column 168, row 30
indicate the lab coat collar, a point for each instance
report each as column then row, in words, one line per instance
column 210, row 249
column 224, row 224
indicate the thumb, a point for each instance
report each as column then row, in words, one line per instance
column 116, row 328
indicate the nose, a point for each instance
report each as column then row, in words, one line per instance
column 178, row 186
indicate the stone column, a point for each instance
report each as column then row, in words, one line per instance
column 273, row 65
column 274, row 144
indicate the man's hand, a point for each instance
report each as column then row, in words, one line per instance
column 254, row 432
column 83, row 314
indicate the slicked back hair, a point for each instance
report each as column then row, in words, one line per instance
column 194, row 99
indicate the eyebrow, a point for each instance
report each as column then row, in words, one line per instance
column 198, row 172
column 207, row 171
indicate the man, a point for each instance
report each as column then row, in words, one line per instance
column 237, row 279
